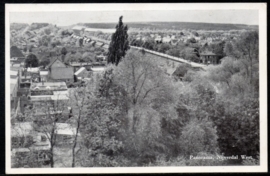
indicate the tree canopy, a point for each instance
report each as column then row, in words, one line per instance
column 31, row 61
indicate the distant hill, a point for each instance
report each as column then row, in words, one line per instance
column 35, row 26
column 175, row 25
column 18, row 26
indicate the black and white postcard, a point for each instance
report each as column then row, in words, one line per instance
column 136, row 88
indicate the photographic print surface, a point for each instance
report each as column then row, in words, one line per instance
column 136, row 88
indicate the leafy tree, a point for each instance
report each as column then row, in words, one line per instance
column 80, row 42
column 88, row 56
column 149, row 44
column 248, row 46
column 193, row 58
column 195, row 33
column 238, row 129
column 222, row 73
column 181, row 70
column 119, row 43
column 198, row 136
column 100, row 131
column 79, row 100
column 45, row 40
column 190, row 54
column 229, row 49
column 148, row 95
column 217, row 48
column 47, row 31
column 64, row 51
column 163, row 47
column 137, row 72
column 189, row 76
column 53, row 45
column 191, row 40
column 31, row 61
column 73, row 57
column 28, row 160
column 173, row 52
column 137, row 43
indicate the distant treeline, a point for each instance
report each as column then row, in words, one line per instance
column 175, row 25
column 18, row 26
column 35, row 26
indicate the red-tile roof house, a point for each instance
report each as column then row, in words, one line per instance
column 59, row 71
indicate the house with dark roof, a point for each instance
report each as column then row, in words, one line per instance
column 210, row 58
column 16, row 55
column 59, row 71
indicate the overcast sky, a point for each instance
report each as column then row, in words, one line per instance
column 249, row 17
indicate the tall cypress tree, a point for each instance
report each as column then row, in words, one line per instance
column 119, row 43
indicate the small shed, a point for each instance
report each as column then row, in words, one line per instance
column 44, row 75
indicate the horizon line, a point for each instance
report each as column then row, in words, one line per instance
column 141, row 22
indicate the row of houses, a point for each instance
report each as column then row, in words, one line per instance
column 92, row 40
column 174, row 39
column 82, row 30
